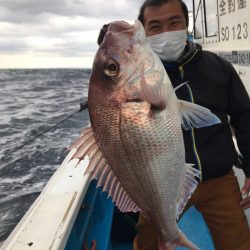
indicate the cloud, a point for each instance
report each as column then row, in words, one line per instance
column 26, row 11
column 14, row 46
column 60, row 28
column 67, row 49
column 29, row 10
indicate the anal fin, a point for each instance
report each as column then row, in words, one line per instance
column 189, row 185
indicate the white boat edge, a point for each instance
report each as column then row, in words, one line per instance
column 65, row 190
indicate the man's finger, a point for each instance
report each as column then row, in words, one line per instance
column 245, row 190
column 245, row 204
column 246, row 187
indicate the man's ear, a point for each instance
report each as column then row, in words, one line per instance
column 102, row 33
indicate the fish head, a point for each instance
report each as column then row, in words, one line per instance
column 123, row 60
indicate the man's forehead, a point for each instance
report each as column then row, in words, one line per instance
column 166, row 11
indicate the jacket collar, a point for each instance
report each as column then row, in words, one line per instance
column 189, row 53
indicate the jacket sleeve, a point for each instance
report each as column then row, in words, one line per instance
column 239, row 112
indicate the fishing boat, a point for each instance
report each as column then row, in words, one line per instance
column 72, row 213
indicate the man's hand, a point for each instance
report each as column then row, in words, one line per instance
column 245, row 203
column 102, row 33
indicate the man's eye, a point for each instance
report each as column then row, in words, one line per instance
column 154, row 27
column 175, row 23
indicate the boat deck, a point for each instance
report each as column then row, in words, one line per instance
column 99, row 221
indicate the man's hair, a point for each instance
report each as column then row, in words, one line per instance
column 160, row 3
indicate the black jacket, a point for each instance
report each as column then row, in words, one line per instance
column 214, row 84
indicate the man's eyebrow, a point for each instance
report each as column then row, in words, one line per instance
column 154, row 22
column 173, row 18
column 169, row 19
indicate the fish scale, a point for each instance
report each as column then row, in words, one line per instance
column 155, row 165
column 109, row 142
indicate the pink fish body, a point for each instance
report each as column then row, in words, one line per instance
column 135, row 143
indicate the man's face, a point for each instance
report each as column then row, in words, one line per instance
column 168, row 17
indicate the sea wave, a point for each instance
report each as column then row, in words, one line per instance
column 34, row 101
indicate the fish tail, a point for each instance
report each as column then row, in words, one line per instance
column 180, row 241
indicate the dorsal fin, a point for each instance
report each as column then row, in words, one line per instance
column 99, row 169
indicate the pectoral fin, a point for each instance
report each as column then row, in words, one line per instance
column 193, row 115
column 155, row 94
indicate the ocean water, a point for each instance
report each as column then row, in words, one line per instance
column 31, row 102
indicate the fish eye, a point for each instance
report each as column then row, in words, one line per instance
column 111, row 68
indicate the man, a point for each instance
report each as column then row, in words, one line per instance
column 213, row 83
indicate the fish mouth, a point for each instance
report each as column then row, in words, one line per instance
column 119, row 26
column 122, row 26
column 123, row 34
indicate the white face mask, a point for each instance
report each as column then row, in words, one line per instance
column 169, row 45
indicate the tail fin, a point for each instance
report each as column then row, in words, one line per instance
column 180, row 241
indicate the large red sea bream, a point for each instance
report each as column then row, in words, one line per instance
column 135, row 143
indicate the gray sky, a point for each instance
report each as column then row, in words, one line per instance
column 56, row 33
